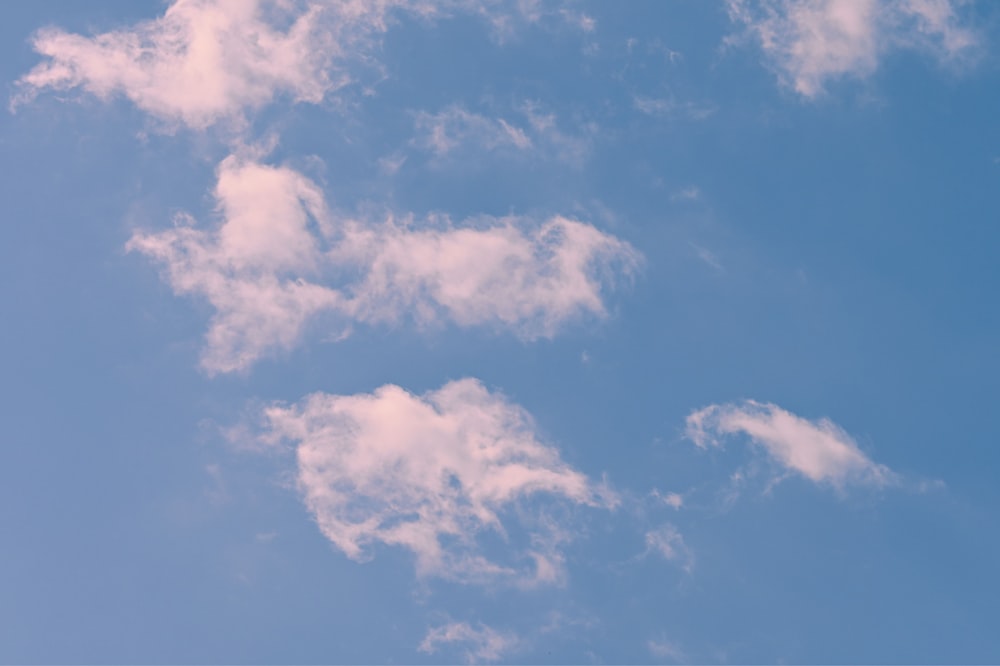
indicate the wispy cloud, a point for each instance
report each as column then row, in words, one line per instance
column 200, row 62
column 690, row 193
column 206, row 61
column 528, row 130
column 279, row 259
column 671, row 499
column 482, row 643
column 813, row 42
column 667, row 542
column 665, row 649
column 818, row 450
column 669, row 107
column 708, row 257
column 431, row 474
column 454, row 126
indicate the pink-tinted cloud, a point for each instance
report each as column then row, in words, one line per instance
column 813, row 42
column 279, row 260
column 482, row 643
column 818, row 450
column 431, row 474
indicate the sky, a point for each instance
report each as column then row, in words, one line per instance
column 525, row 331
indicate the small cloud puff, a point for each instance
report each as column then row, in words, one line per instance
column 432, row 474
column 817, row 450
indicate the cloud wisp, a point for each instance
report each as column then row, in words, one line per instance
column 818, row 450
column 446, row 130
column 279, row 259
column 811, row 43
column 483, row 643
column 667, row 542
column 435, row 474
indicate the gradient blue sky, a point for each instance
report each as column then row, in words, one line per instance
column 635, row 332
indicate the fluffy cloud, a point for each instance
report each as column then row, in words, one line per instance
column 818, row 450
column 811, row 42
column 279, row 260
column 433, row 474
column 202, row 61
column 484, row 643
column 444, row 131
column 209, row 60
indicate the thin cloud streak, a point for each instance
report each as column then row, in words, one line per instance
column 483, row 643
column 206, row 62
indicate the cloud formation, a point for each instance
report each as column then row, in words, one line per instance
column 279, row 259
column 813, row 42
column 484, row 643
column 535, row 132
column 206, row 61
column 434, row 474
column 202, row 61
column 818, row 450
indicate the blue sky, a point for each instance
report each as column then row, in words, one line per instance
column 548, row 332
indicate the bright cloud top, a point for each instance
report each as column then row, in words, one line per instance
column 279, row 259
column 483, row 643
column 812, row 42
column 818, row 450
column 433, row 474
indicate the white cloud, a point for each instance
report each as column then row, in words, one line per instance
column 813, row 42
column 671, row 499
column 818, row 450
column 484, row 643
column 434, row 474
column 206, row 61
column 664, row 649
column 667, row 542
column 202, row 61
column 280, row 260
column 690, row 193
column 253, row 268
